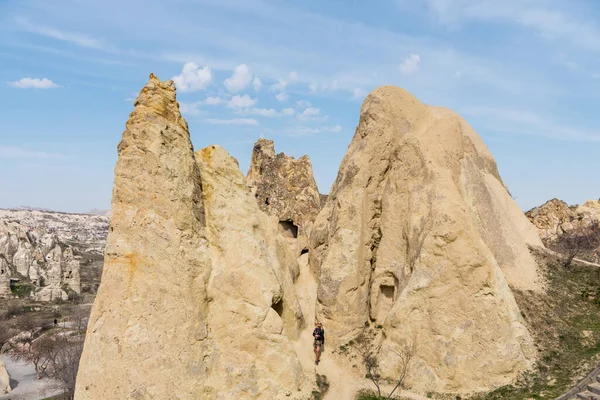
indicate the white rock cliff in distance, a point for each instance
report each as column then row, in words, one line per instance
column 420, row 235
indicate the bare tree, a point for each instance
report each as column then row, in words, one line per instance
column 371, row 363
column 406, row 353
column 54, row 356
column 578, row 244
column 370, row 360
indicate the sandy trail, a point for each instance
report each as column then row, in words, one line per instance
column 344, row 383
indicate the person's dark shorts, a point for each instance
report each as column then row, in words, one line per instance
column 317, row 343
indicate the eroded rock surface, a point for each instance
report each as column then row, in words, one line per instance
column 194, row 301
column 285, row 186
column 419, row 235
column 556, row 218
column 4, row 380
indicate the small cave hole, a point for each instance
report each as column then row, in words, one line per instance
column 288, row 229
column 387, row 291
column 278, row 307
column 304, row 251
column 267, row 201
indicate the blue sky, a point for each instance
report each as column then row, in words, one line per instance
column 524, row 73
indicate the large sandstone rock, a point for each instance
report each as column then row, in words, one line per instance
column 253, row 309
column 4, row 380
column 194, row 302
column 555, row 218
column 284, row 187
column 420, row 235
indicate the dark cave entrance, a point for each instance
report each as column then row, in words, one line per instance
column 288, row 229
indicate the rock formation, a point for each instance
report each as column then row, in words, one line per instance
column 4, row 380
column 420, row 235
column 194, row 302
column 285, row 187
column 555, row 218
column 39, row 257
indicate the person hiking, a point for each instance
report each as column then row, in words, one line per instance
column 319, row 335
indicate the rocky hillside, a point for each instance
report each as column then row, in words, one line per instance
column 49, row 253
column 284, row 187
column 419, row 245
column 571, row 230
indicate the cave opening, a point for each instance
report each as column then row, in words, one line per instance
column 288, row 229
column 278, row 307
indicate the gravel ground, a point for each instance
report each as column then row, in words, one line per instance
column 24, row 383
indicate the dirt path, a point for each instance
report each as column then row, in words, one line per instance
column 344, row 383
column 24, row 383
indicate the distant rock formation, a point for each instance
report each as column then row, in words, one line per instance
column 420, row 236
column 4, row 380
column 556, row 218
column 37, row 256
column 573, row 231
column 284, row 187
column 194, row 302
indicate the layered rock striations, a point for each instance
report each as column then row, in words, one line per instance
column 284, row 186
column 194, row 302
column 420, row 236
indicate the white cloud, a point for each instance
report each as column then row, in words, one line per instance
column 279, row 86
column 293, row 76
column 309, row 113
column 282, row 96
column 411, row 64
column 313, row 87
column 358, row 94
column 257, row 84
column 19, row 152
column 306, row 131
column 77, row 38
column 303, row 104
column 234, row 121
column 34, row 83
column 528, row 123
column 288, row 111
column 264, row 112
column 214, row 101
column 192, row 78
column 190, row 108
column 241, row 78
column 244, row 101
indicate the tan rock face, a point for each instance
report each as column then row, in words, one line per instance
column 147, row 334
column 285, row 187
column 253, row 309
column 420, row 235
column 555, row 218
column 194, row 302
column 4, row 380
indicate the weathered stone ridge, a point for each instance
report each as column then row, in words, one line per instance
column 556, row 218
column 285, row 187
column 420, row 235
